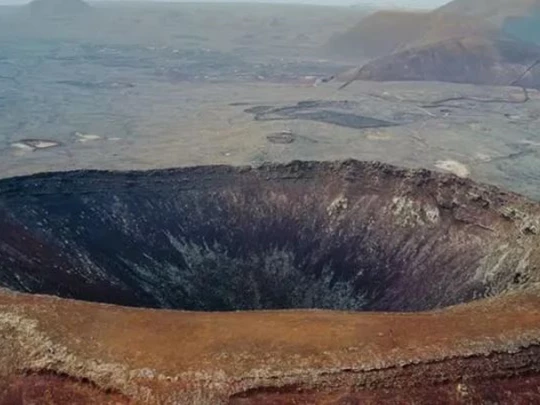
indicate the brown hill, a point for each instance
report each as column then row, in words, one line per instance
column 517, row 18
column 388, row 32
column 440, row 27
column 378, row 34
column 477, row 60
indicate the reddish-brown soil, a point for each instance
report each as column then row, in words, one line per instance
column 51, row 389
column 483, row 351
column 512, row 391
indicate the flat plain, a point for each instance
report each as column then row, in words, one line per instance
column 139, row 86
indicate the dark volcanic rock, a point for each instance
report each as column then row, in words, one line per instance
column 319, row 111
column 283, row 137
column 345, row 235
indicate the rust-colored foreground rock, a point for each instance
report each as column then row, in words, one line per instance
column 83, row 353
column 452, row 267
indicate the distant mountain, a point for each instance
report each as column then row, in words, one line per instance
column 495, row 10
column 477, row 59
column 517, row 18
column 378, row 34
column 386, row 32
column 440, row 27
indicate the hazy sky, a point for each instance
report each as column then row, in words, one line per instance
column 378, row 3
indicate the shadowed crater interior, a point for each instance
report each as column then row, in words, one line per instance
column 340, row 235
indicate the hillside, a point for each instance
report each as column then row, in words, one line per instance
column 386, row 32
column 477, row 60
column 378, row 34
column 517, row 18
column 441, row 27
column 495, row 10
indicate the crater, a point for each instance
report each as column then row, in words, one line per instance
column 337, row 235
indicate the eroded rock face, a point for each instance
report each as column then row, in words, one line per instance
column 345, row 235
